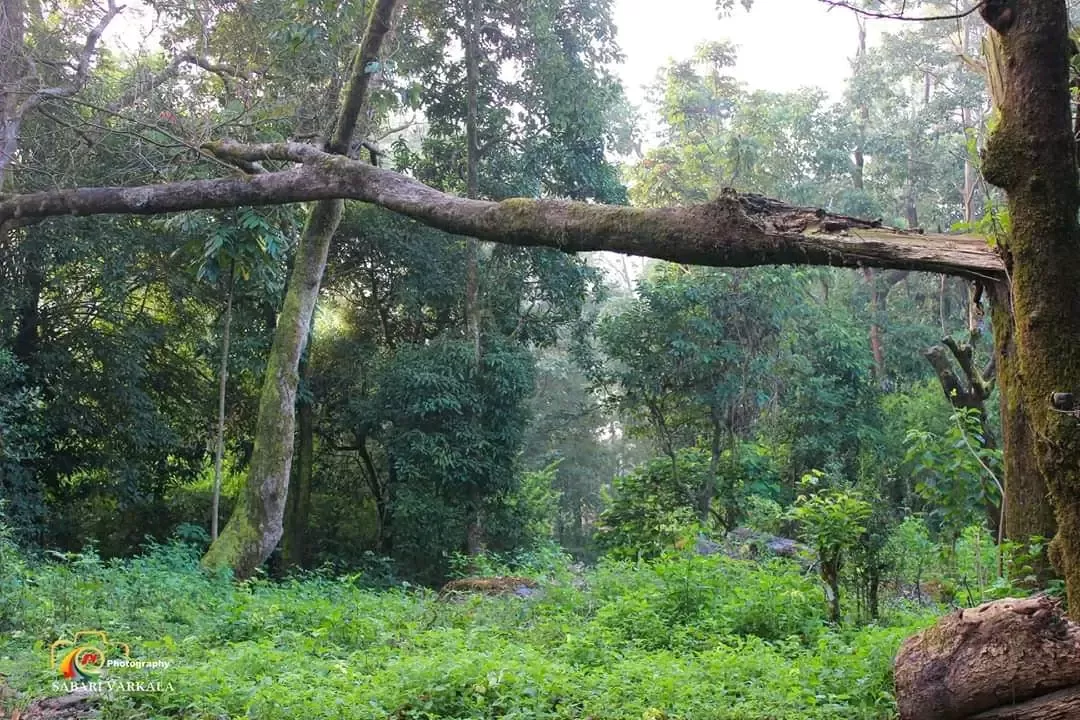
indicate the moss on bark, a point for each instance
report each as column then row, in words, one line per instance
column 1032, row 157
column 256, row 525
column 1028, row 509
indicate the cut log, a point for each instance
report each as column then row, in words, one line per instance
column 1016, row 659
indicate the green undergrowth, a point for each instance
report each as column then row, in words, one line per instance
column 683, row 637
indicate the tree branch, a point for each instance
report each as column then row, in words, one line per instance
column 12, row 123
column 734, row 230
column 901, row 15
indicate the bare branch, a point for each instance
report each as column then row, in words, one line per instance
column 901, row 15
column 90, row 47
column 12, row 122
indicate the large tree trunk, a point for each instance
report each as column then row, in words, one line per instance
column 256, row 525
column 1032, row 157
column 1009, row 659
column 1028, row 511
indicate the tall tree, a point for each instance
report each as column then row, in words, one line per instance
column 256, row 526
column 1032, row 156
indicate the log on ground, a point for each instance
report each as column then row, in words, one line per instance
column 1003, row 660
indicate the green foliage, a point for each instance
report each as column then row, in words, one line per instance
column 829, row 418
column 568, row 108
column 15, row 583
column 21, row 436
column 911, row 553
column 452, row 431
column 694, row 347
column 528, row 513
column 956, row 472
column 683, row 637
column 652, row 507
column 762, row 513
column 832, row 522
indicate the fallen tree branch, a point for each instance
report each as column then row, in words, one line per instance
column 734, row 230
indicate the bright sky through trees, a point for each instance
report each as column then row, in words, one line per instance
column 782, row 44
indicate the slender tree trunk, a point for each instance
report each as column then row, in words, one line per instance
column 706, row 491
column 877, row 344
column 223, row 378
column 873, row 590
column 1031, row 156
column 475, row 530
column 472, row 170
column 377, row 490
column 294, row 545
column 830, row 573
column 28, row 330
column 256, row 525
column 12, row 72
column 911, row 208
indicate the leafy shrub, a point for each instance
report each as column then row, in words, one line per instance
column 831, row 522
column 652, row 507
column 955, row 473
column 764, row 514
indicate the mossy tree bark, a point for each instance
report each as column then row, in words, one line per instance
column 256, row 525
column 1032, row 157
column 298, row 504
column 1028, row 512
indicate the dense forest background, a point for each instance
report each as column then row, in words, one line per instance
column 456, row 397
column 656, row 490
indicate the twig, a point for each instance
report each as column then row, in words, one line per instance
column 900, row 15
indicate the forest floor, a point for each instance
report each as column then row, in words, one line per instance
column 686, row 637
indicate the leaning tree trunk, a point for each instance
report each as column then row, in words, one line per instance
column 298, row 505
column 256, row 525
column 1032, row 157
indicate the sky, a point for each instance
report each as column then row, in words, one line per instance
column 782, row 44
